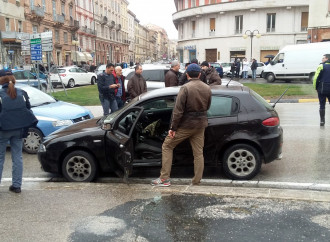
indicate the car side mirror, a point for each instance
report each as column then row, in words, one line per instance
column 106, row 126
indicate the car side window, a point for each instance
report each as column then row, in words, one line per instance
column 159, row 104
column 125, row 124
column 260, row 64
column 222, row 106
column 151, row 75
column 73, row 70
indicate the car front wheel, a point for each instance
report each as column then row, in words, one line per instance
column 32, row 142
column 241, row 162
column 71, row 83
column 79, row 166
column 270, row 77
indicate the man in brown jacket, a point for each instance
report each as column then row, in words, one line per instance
column 189, row 120
column 211, row 75
column 136, row 85
column 171, row 77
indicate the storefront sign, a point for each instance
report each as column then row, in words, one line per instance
column 190, row 47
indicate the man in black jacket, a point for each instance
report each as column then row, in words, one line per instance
column 106, row 85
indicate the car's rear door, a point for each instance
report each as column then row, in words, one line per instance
column 154, row 79
column 119, row 141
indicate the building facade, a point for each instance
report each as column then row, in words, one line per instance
column 319, row 21
column 131, row 35
column 214, row 30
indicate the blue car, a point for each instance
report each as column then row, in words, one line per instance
column 29, row 78
column 51, row 114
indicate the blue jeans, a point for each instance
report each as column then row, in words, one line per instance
column 254, row 74
column 15, row 139
column 245, row 74
column 120, row 102
column 108, row 104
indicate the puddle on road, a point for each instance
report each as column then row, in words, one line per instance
column 206, row 218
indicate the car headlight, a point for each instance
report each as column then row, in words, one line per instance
column 59, row 123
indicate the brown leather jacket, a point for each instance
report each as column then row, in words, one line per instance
column 192, row 103
column 212, row 77
column 136, row 86
column 171, row 78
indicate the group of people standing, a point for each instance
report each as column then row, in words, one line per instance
column 209, row 74
column 236, row 65
column 111, row 87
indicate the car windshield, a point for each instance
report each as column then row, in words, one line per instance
column 225, row 64
column 37, row 97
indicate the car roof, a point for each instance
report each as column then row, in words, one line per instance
column 216, row 89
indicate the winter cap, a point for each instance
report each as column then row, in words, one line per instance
column 193, row 67
column 205, row 63
column 5, row 72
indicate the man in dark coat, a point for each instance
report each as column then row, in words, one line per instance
column 137, row 84
column 211, row 75
column 171, row 77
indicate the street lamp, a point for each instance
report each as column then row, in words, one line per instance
column 75, row 43
column 251, row 34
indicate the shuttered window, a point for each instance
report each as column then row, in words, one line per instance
column 212, row 24
column 304, row 21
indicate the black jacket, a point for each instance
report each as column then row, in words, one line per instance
column 103, row 82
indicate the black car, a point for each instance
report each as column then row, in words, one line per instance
column 243, row 133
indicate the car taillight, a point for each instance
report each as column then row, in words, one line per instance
column 63, row 75
column 273, row 121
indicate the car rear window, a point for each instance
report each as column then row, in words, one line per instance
column 261, row 100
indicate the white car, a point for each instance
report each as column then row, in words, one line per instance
column 155, row 76
column 72, row 76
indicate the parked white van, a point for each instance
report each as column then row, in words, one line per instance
column 296, row 62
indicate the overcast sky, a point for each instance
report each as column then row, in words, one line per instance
column 158, row 12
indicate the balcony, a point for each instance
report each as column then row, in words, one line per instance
column 104, row 20
column 37, row 14
column 58, row 20
column 118, row 27
column 74, row 24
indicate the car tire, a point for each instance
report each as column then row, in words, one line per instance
column 71, row 83
column 32, row 142
column 270, row 77
column 93, row 80
column 54, row 85
column 79, row 166
column 241, row 162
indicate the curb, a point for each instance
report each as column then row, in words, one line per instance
column 304, row 100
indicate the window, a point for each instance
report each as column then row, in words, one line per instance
column 193, row 3
column 31, row 4
column 44, row 5
column 57, row 36
column 271, row 17
column 279, row 58
column 304, row 21
column 212, row 24
column 238, row 24
column 65, row 36
column 63, row 9
column 7, row 24
column 167, row 103
column 221, row 106
column 19, row 26
column 34, row 29
column 54, row 10
column 193, row 29
column 152, row 75
column 70, row 11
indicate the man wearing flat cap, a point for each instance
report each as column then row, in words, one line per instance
column 211, row 76
column 189, row 120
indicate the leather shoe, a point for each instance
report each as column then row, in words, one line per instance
column 15, row 189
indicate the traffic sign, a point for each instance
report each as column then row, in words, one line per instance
column 48, row 34
column 35, row 41
column 11, row 51
column 36, row 47
column 26, row 52
column 47, row 47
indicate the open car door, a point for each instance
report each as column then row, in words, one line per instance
column 119, row 141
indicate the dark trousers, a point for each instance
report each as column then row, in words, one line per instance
column 323, row 99
column 120, row 102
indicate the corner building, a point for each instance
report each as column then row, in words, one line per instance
column 213, row 30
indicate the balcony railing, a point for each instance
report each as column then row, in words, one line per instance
column 38, row 11
column 112, row 24
column 104, row 20
column 59, row 18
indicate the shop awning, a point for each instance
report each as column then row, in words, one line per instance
column 88, row 56
column 78, row 56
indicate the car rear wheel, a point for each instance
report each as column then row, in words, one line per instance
column 79, row 166
column 71, row 83
column 241, row 162
column 270, row 77
column 93, row 80
column 32, row 142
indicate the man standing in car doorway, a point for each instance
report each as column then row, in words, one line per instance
column 189, row 120
column 106, row 85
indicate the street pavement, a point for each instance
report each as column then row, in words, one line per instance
column 288, row 201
